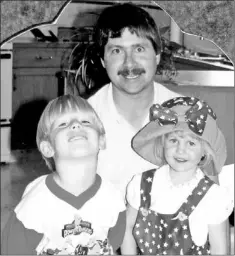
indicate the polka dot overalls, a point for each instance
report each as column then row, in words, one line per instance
column 167, row 234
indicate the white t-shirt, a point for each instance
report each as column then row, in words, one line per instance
column 214, row 208
column 52, row 211
column 118, row 162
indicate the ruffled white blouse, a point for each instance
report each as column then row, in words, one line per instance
column 166, row 198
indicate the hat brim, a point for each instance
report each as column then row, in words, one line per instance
column 144, row 142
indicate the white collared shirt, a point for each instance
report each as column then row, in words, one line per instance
column 118, row 162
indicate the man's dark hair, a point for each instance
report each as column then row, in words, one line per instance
column 114, row 19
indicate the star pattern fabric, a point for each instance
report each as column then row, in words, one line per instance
column 168, row 234
column 195, row 117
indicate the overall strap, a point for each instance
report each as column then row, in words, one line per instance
column 146, row 187
column 196, row 196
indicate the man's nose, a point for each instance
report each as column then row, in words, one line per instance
column 129, row 60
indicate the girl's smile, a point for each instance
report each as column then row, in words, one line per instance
column 182, row 151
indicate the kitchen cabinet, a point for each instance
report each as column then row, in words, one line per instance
column 36, row 80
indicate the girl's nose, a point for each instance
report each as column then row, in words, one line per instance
column 180, row 147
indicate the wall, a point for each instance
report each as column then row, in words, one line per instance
column 221, row 99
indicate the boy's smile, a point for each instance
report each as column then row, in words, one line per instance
column 75, row 135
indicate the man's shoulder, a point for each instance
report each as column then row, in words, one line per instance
column 164, row 93
column 99, row 96
column 112, row 193
column 106, row 186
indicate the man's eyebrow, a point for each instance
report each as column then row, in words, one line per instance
column 110, row 46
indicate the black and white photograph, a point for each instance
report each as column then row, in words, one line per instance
column 117, row 127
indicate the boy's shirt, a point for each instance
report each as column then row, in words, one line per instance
column 49, row 220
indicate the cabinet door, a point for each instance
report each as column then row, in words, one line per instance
column 32, row 89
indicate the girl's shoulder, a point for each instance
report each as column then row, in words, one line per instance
column 134, row 186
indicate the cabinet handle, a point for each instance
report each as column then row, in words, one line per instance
column 43, row 58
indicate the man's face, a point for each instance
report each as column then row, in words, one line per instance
column 130, row 62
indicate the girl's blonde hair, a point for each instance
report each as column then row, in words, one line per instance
column 57, row 107
column 205, row 160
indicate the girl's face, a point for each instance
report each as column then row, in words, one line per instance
column 182, row 151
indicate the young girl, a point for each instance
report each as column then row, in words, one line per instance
column 177, row 209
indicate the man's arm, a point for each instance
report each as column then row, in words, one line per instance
column 129, row 245
column 116, row 233
column 17, row 240
column 219, row 238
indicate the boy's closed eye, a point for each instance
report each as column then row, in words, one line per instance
column 86, row 122
column 64, row 124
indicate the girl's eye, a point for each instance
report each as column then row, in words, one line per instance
column 172, row 140
column 191, row 143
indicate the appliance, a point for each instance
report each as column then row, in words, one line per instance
column 6, row 102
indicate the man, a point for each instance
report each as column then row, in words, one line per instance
column 129, row 49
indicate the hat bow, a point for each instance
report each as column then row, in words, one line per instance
column 195, row 116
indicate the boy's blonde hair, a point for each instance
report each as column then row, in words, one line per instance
column 57, row 107
column 205, row 160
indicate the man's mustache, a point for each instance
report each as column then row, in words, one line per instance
column 131, row 72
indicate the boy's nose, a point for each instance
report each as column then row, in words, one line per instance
column 75, row 124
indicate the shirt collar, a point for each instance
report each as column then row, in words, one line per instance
column 113, row 109
column 75, row 201
column 111, row 105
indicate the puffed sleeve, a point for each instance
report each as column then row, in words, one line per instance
column 226, row 180
column 218, row 204
column 133, row 191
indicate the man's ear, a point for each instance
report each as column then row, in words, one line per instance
column 158, row 58
column 102, row 62
column 102, row 142
column 46, row 149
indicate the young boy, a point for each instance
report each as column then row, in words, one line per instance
column 72, row 210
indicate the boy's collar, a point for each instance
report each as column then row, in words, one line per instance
column 75, row 201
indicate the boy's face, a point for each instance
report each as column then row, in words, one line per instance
column 74, row 135
column 182, row 151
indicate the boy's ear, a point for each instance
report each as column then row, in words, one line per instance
column 102, row 142
column 46, row 149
